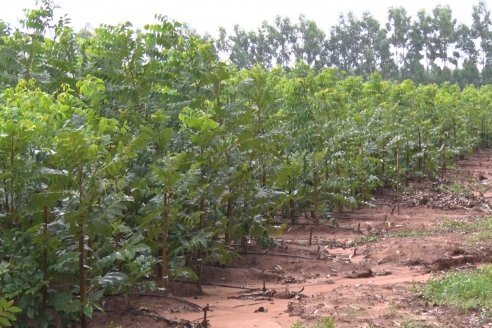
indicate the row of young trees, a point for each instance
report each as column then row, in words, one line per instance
column 124, row 150
column 431, row 47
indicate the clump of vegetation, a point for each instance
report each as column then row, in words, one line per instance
column 366, row 239
column 410, row 233
column 464, row 290
column 482, row 228
column 8, row 312
column 327, row 322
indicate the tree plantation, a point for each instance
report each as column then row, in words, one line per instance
column 131, row 158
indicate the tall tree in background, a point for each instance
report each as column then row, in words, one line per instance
column 399, row 29
column 344, row 43
column 442, row 39
column 375, row 46
column 481, row 31
column 311, row 46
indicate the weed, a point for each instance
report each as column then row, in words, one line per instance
column 410, row 233
column 327, row 322
column 456, row 187
column 392, row 310
column 113, row 324
column 449, row 225
column 413, row 323
column 464, row 290
column 361, row 240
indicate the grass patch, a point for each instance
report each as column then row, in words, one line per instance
column 481, row 228
column 464, row 290
column 460, row 226
column 410, row 233
column 327, row 322
column 362, row 240
column 484, row 231
column 414, row 323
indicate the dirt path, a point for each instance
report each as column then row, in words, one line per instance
column 361, row 273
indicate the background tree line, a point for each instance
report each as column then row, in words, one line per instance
column 431, row 47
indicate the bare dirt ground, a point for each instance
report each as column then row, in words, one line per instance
column 364, row 273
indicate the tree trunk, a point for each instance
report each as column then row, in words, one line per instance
column 419, row 159
column 202, row 213
column 398, row 183
column 292, row 209
column 81, row 249
column 45, row 259
column 165, row 233
column 315, row 193
column 228, row 219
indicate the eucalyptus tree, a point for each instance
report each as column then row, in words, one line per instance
column 345, row 43
column 374, row 45
column 421, row 38
column 241, row 43
column 467, row 57
column 399, row 30
column 481, row 31
column 443, row 38
column 311, row 46
column 283, row 37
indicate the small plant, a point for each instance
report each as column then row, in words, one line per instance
column 361, row 240
column 413, row 323
column 113, row 324
column 327, row 322
column 7, row 312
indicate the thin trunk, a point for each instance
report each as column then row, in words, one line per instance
column 443, row 159
column 419, row 159
column 6, row 195
column 326, row 168
column 315, row 195
column 12, row 157
column 362, row 185
column 337, row 191
column 407, row 161
column 383, row 151
column 202, row 213
column 45, row 259
column 228, row 219
column 165, row 233
column 263, row 175
column 483, row 135
column 398, row 179
column 81, row 248
column 292, row 210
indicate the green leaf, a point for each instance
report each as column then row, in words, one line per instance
column 5, row 323
column 87, row 310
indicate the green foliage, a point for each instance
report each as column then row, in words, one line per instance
column 327, row 322
column 465, row 290
column 127, row 152
column 7, row 312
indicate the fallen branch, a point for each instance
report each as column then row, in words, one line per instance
column 286, row 255
column 229, row 286
column 196, row 307
column 241, row 305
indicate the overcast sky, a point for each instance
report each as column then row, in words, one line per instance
column 208, row 15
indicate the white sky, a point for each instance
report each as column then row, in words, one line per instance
column 208, row 15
